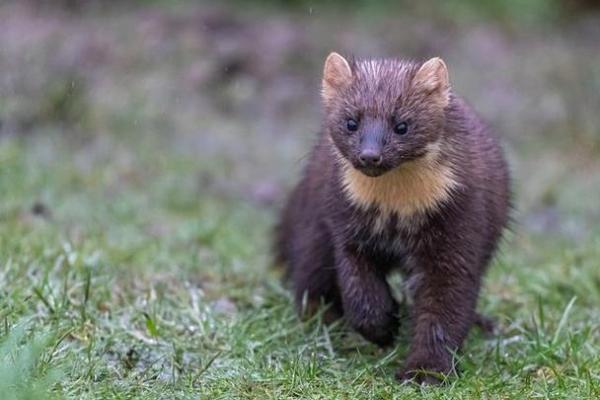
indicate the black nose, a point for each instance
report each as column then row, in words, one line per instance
column 370, row 158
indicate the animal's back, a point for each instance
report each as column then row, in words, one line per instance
column 486, row 174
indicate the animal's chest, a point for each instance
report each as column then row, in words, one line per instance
column 386, row 240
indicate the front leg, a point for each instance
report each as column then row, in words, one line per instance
column 366, row 298
column 444, row 311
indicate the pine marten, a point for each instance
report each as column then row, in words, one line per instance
column 404, row 176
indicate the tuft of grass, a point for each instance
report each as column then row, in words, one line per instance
column 25, row 362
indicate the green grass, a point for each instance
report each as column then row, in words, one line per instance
column 140, row 179
column 143, row 285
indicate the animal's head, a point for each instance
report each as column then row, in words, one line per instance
column 382, row 113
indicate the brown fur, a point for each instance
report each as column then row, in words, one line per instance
column 430, row 200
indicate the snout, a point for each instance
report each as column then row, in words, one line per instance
column 370, row 162
column 372, row 142
column 370, row 158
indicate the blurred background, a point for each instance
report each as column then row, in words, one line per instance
column 234, row 87
column 152, row 142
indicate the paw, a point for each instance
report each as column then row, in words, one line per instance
column 429, row 371
column 382, row 334
column 382, row 338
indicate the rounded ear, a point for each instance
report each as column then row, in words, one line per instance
column 432, row 78
column 336, row 75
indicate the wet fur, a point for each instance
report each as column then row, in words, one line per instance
column 437, row 216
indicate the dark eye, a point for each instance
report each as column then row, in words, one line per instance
column 401, row 128
column 352, row 125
